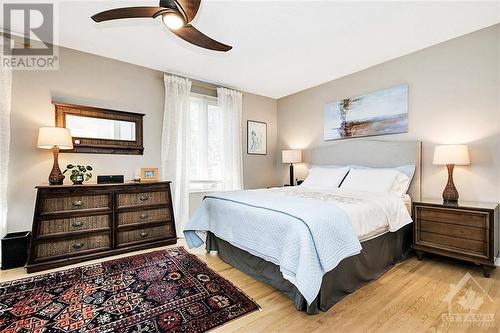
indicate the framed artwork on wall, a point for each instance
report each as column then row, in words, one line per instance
column 377, row 113
column 256, row 138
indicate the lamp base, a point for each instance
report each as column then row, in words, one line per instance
column 292, row 178
column 56, row 177
column 450, row 193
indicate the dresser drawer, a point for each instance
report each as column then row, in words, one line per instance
column 48, row 227
column 144, row 234
column 453, row 230
column 143, row 198
column 72, row 203
column 453, row 216
column 150, row 215
column 72, row 246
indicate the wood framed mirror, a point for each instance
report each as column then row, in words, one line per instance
column 101, row 131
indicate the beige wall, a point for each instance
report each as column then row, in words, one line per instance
column 92, row 80
column 454, row 98
column 260, row 170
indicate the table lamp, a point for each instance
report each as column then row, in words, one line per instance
column 451, row 155
column 55, row 138
column 291, row 156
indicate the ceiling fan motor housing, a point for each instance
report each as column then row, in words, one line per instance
column 172, row 4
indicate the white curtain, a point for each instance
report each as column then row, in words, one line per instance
column 230, row 104
column 5, row 96
column 175, row 145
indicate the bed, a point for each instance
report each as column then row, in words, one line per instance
column 285, row 237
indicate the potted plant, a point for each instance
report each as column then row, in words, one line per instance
column 79, row 173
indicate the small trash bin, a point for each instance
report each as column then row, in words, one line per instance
column 15, row 249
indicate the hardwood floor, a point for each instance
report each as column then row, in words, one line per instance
column 409, row 298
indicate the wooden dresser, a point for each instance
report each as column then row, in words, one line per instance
column 468, row 231
column 83, row 222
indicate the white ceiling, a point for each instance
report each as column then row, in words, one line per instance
column 280, row 47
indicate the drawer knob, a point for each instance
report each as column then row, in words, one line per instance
column 77, row 246
column 143, row 216
column 78, row 203
column 77, row 223
column 144, row 198
column 143, row 234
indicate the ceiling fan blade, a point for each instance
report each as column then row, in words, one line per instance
column 189, row 7
column 193, row 36
column 128, row 12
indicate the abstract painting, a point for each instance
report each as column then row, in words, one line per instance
column 256, row 138
column 378, row 113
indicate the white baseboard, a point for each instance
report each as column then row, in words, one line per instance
column 497, row 262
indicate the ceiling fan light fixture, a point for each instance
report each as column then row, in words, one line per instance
column 173, row 21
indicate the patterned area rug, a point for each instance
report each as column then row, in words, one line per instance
column 161, row 291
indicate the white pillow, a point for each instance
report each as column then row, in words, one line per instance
column 402, row 182
column 372, row 180
column 325, row 178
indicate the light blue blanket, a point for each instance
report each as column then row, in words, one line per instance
column 305, row 237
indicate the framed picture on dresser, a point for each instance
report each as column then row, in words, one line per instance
column 150, row 174
column 256, row 138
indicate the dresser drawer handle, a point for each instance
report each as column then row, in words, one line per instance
column 76, row 224
column 78, row 203
column 143, row 234
column 144, row 198
column 143, row 216
column 77, row 246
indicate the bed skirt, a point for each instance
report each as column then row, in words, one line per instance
column 377, row 256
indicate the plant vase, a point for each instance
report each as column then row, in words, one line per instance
column 77, row 179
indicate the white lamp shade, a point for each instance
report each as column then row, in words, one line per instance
column 50, row 137
column 451, row 154
column 291, row 156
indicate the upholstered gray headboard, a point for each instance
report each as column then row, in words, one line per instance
column 373, row 154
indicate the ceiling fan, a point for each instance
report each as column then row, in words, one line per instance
column 176, row 15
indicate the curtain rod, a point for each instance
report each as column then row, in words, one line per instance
column 203, row 84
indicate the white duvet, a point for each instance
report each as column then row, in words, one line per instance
column 370, row 214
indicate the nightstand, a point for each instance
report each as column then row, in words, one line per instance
column 467, row 231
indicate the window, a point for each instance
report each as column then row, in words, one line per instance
column 205, row 144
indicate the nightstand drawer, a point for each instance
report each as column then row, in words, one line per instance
column 450, row 243
column 453, row 230
column 453, row 216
